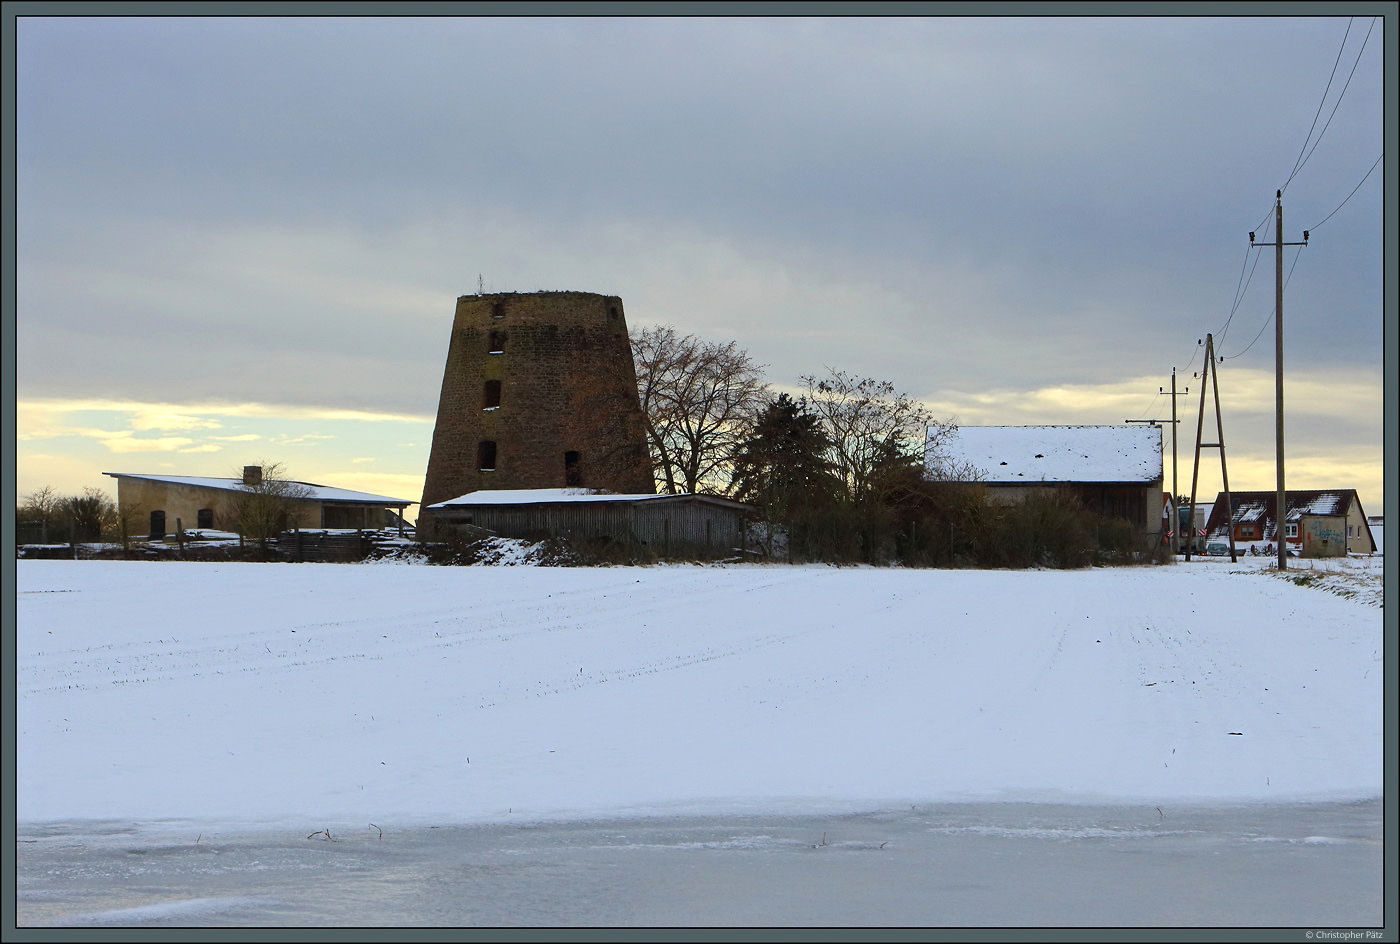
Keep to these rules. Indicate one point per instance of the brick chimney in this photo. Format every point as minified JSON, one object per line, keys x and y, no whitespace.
{"x":252,"y":475}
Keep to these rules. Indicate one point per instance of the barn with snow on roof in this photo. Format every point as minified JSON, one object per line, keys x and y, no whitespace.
{"x":1114,"y":471}
{"x":170,"y":502}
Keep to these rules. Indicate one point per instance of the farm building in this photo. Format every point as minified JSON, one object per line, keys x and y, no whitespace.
{"x":1320,"y":523}
{"x":1115,"y":471}
{"x":665,"y":525}
{"x":165,"y":503}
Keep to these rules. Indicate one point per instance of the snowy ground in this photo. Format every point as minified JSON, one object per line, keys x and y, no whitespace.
{"x":327,"y":696}
{"x":321,"y":745}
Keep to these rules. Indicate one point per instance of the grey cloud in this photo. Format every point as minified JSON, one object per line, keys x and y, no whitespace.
{"x":1037,"y":198}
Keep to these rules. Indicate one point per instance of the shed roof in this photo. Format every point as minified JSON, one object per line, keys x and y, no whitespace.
{"x":538,"y":496}
{"x":1058,"y":454}
{"x":322,"y":493}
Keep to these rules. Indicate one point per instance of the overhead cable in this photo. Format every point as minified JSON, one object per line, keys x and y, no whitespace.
{"x":1350,"y":195}
{"x":1334,"y":107}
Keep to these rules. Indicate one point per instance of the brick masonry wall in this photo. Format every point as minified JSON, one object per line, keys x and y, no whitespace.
{"x":567,"y":385}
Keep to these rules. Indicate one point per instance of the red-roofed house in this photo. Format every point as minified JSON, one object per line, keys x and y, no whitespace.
{"x":1323,"y":523}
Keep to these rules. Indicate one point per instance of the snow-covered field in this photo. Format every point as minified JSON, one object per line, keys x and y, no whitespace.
{"x":320,"y":695}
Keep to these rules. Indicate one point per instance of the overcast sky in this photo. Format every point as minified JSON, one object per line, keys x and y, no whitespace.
{"x":243,"y":238}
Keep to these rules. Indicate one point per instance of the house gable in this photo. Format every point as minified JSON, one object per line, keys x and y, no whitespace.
{"x":1254,"y":517}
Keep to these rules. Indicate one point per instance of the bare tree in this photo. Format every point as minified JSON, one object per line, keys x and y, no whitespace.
{"x":43,"y":506}
{"x":127,"y":519}
{"x":93,"y":515}
{"x":940,"y":466}
{"x":699,"y":399}
{"x":870,"y":424}
{"x":266,"y":505}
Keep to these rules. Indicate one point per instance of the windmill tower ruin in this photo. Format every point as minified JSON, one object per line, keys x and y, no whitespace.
{"x":539,"y":391}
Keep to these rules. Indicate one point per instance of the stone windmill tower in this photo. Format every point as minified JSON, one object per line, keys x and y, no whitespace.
{"x":539,"y":391}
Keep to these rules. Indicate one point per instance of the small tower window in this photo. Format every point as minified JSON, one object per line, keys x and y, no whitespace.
{"x":573,"y":470}
{"x":491,"y":395}
{"x":612,"y":312}
{"x":486,"y":455}
{"x":498,"y":310}
{"x":496,"y":342}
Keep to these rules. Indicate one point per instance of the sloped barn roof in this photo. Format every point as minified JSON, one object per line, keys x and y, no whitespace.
{"x":1024,"y":455}
{"x":322,"y":493}
{"x":537,"y":496}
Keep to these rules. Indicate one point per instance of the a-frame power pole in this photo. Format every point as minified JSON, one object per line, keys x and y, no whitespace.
{"x":1219,"y":444}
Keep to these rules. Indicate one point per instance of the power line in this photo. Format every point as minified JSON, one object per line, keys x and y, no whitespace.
{"x":1147,"y":412}
{"x":1334,"y":107}
{"x":1242,"y":284}
{"x":1268,"y":320}
{"x":1298,"y":161}
{"x":1353,"y":192}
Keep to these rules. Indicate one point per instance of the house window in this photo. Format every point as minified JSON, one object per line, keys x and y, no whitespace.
{"x":573,"y":471}
{"x":204,"y":518}
{"x":1290,"y":530}
{"x":495,"y":342}
{"x":486,"y":455}
{"x":491,"y":395}
{"x":157,"y":524}
{"x":1246,"y":531}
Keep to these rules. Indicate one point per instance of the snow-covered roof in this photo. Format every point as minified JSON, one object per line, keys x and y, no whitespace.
{"x":1026,"y":454}
{"x":325,"y":493}
{"x":1258,"y":507}
{"x":534,"y":496}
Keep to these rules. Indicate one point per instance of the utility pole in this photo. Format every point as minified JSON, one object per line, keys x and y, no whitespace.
{"x":1174,"y":422}
{"x":1220,"y":435}
{"x":1176,"y":526}
{"x":1280,"y":505}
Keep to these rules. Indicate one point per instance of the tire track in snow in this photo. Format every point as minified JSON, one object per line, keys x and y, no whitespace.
{"x":290,"y":646}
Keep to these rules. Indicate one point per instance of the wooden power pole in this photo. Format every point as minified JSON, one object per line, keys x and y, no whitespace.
{"x":1176,"y":525}
{"x":1219,"y":444}
{"x":1175,"y":493}
{"x":1280,"y":499}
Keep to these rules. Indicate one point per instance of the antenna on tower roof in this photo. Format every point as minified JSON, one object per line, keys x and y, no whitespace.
{"x":480,"y":287}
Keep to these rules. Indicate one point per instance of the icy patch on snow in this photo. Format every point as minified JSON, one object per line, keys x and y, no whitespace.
{"x":169,"y":911}
{"x":1057,"y":834}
